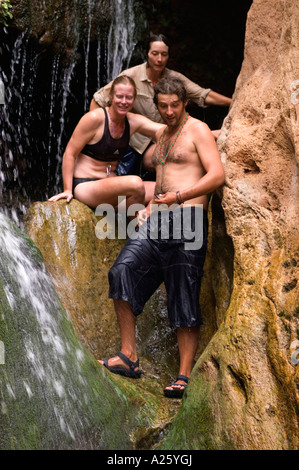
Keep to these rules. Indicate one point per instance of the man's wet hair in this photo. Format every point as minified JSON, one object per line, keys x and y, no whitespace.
{"x":170,"y":86}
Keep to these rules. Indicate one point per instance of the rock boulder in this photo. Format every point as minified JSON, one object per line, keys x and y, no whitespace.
{"x":244,"y":389}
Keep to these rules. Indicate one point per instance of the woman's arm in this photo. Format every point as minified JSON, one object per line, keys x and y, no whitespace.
{"x":217,"y":99}
{"x":145,"y":126}
{"x":83,"y":134}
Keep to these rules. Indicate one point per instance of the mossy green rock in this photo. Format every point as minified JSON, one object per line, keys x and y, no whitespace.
{"x":53,"y":393}
{"x":79,"y":261}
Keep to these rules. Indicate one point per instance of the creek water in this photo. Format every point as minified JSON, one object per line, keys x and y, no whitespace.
{"x":52,"y":395}
{"x":50,"y":388}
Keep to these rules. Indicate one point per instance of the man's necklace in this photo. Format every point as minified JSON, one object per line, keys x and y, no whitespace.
{"x":163,"y":160}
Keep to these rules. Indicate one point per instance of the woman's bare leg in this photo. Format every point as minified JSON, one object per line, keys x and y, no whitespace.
{"x":107,"y":190}
{"x":149,"y":190}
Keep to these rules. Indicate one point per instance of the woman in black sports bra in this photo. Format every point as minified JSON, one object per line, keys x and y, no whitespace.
{"x":99,"y":141}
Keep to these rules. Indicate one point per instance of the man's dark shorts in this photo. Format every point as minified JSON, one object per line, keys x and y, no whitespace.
{"x":150,"y":259}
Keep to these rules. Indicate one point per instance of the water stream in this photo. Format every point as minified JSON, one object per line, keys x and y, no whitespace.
{"x":50,"y":387}
{"x":121,"y":38}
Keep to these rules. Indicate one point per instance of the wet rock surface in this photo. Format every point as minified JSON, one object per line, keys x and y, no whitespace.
{"x":245,"y":380}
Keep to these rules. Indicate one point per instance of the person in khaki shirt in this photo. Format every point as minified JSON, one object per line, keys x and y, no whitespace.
{"x":146,"y":76}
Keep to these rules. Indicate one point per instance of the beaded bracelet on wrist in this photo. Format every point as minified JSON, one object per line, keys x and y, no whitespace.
{"x":179,"y":198}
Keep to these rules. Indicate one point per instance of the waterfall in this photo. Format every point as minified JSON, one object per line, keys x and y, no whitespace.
{"x":48,"y":90}
{"x":52,"y":392}
{"x":2,"y":91}
{"x":121,"y":40}
{"x":26,"y":291}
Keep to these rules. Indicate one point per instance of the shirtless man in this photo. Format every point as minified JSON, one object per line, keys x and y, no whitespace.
{"x":188,"y":167}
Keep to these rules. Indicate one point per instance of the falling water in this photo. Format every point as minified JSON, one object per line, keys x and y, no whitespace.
{"x":47,"y":93}
{"x":31,"y":294}
{"x":121,"y":40}
{"x":52,"y":392}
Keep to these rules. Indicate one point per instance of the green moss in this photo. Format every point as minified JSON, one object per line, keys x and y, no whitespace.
{"x":194,"y":426}
{"x":5,"y":13}
{"x":53,"y":394}
{"x":151,"y":411}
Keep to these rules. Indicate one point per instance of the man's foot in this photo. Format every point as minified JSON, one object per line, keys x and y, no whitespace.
{"x":177,"y":388}
{"x":125,"y":367}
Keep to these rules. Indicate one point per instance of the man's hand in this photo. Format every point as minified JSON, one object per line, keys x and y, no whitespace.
{"x":142,"y":216}
{"x":167,"y":198}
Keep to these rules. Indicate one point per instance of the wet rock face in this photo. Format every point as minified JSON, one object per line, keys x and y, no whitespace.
{"x":79,"y":261}
{"x":54,"y":394}
{"x":247,"y":377}
{"x":56,"y":23}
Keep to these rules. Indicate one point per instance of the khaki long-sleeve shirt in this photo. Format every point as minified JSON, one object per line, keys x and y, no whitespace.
{"x":144,"y":103}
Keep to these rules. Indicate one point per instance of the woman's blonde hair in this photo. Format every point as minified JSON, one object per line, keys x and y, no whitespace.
{"x":123,"y":79}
